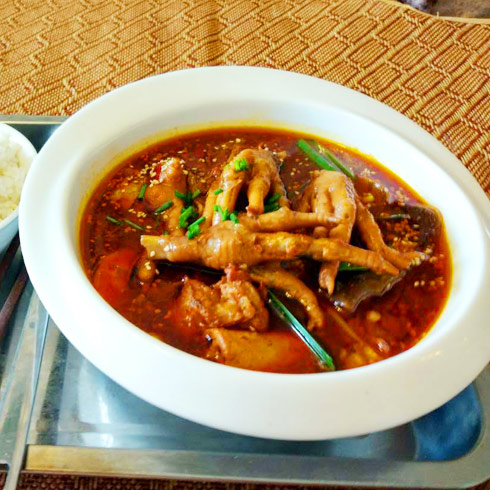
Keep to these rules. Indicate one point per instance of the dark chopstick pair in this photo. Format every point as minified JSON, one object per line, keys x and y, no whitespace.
{"x":10,"y":303}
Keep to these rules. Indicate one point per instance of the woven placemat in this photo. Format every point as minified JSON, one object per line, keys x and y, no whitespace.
{"x":58,"y":55}
{"x":59,"y":482}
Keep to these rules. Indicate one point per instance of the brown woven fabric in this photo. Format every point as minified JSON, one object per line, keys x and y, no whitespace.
{"x":56,"y":482}
{"x":58,"y":55}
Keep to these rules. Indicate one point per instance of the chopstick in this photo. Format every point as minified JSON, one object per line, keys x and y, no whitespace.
{"x":9,"y":256}
{"x":13,"y":297}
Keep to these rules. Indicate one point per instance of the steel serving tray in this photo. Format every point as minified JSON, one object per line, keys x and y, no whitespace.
{"x":82,"y":422}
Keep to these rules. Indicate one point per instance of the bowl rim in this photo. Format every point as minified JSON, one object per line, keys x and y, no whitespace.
{"x":184,"y":360}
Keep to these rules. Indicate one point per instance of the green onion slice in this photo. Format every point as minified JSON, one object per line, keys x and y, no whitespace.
{"x":112,"y":220}
{"x":234,"y":218}
{"x":218,"y":191}
{"x":269,"y":208}
{"x":347,"y":266}
{"x":314,"y":155}
{"x":320,"y":353}
{"x":194,"y":228}
{"x":189,"y":197}
{"x":240,"y":165}
{"x":164,"y":207}
{"x":141,"y":194}
{"x":274,"y":198}
{"x":186,"y":214}
{"x":334,"y":160}
{"x":225,"y":215}
{"x":133,"y":225}
{"x":181,"y":195}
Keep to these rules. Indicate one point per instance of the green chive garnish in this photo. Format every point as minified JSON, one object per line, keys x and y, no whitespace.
{"x":189,"y":197}
{"x":323,"y":357}
{"x":334,"y":160}
{"x":186,"y":214}
{"x":164,"y":207}
{"x":269,"y":208}
{"x":112,"y":220}
{"x":274,"y":198}
{"x":141,"y":194}
{"x":314,"y":155}
{"x":194,"y":228}
{"x":180,"y":195}
{"x":347,"y":266}
{"x":240,"y":165}
{"x":234,"y":218}
{"x":225,"y":215}
{"x":199,"y":221}
{"x":218,"y":191}
{"x":133,"y":225}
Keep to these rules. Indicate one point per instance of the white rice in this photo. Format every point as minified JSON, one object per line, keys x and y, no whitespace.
{"x":13,"y":170}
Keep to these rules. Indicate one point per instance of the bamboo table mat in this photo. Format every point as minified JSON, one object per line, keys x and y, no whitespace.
{"x":57,"y":55}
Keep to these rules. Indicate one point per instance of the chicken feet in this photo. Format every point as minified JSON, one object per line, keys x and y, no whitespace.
{"x":259,"y":171}
{"x":227,"y":243}
{"x":331,"y":193}
{"x":170,"y":177}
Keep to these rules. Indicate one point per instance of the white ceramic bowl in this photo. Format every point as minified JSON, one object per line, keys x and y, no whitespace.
{"x":10,"y":225}
{"x":301,"y":407}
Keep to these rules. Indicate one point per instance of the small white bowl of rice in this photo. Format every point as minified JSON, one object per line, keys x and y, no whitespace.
{"x":16,"y":155}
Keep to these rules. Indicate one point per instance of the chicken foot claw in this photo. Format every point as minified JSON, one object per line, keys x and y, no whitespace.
{"x":259,"y":171}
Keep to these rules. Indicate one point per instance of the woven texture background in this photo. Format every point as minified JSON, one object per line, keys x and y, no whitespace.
{"x":58,"y":482}
{"x":57,"y":55}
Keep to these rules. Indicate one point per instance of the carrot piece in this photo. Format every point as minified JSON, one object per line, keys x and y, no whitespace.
{"x":112,"y":276}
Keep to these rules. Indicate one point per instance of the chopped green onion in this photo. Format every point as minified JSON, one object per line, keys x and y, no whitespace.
{"x":234,"y":218}
{"x":189,"y":197}
{"x":274,"y":198}
{"x":185,"y":215}
{"x":164,"y":207}
{"x":314,"y":155}
{"x":166,"y":232}
{"x":347,"y":266}
{"x":181,"y":195}
{"x":323,"y":357}
{"x":133,"y":225}
{"x":269,"y":208}
{"x":240,"y":165}
{"x":334,"y":160}
{"x":225,"y":215}
{"x":112,"y":220}
{"x":218,"y":191}
{"x":141,"y":194}
{"x":194,"y":229}
{"x":199,"y":221}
